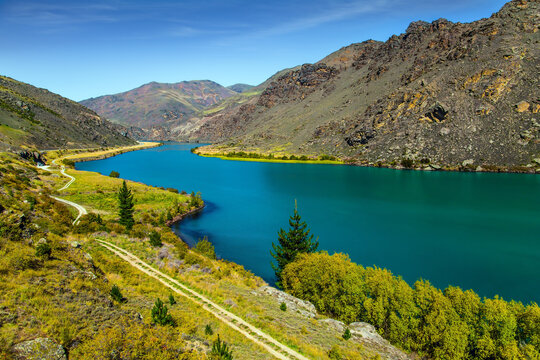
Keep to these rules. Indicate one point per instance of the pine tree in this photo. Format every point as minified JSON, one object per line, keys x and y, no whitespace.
{"x":116,"y":294}
{"x":220,"y":350}
{"x":296,"y":240}
{"x":160,"y":314}
{"x":125,"y":203}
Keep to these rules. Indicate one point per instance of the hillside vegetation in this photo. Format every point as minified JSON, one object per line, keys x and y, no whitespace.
{"x":442,"y":94}
{"x":57,"y":280}
{"x":36,"y":118}
{"x":449,"y":324}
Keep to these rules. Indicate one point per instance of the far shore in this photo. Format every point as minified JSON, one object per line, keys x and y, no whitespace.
{"x":83,"y":155}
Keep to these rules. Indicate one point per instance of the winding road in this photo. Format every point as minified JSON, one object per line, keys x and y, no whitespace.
{"x":256,"y":335}
{"x":82,"y":211}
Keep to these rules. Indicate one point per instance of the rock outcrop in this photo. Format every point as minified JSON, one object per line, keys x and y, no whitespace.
{"x":303,"y":307}
{"x":39,"y":349}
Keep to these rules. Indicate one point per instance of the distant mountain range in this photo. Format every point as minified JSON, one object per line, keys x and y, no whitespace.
{"x":162,"y":111}
{"x":34,"y":117}
{"x":240,"y":88}
{"x":440,"y":94}
{"x":443,"y":93}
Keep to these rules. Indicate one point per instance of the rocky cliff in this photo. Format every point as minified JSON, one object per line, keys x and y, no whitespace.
{"x":31,"y":116}
{"x":441,"y":94}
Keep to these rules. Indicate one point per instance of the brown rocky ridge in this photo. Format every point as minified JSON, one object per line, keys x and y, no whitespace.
{"x":442,"y":94}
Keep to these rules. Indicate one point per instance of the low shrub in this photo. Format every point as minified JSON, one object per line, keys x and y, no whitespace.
{"x":43,"y":250}
{"x":155,"y":239}
{"x":205,"y":248}
{"x":116,"y":294}
{"x":407,"y":163}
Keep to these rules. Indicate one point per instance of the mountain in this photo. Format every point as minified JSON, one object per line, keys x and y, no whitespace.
{"x":443,"y":94}
{"x":31,"y":116}
{"x":240,"y":88}
{"x":160,"y":108}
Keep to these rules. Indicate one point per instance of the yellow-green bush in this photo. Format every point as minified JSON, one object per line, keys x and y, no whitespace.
{"x":135,"y":341}
{"x":453,"y":324}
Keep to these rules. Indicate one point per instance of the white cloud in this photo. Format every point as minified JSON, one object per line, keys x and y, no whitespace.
{"x":326,"y":15}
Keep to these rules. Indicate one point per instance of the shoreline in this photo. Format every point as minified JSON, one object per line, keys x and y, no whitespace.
{"x":104,"y":154}
{"x":179,"y":218}
{"x":322,"y":162}
{"x":84,"y":156}
{"x":471,"y":168}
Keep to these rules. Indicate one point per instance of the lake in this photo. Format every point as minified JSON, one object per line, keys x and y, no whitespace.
{"x":479,"y":231}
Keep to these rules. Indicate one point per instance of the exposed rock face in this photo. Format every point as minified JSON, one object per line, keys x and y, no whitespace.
{"x":39,"y":349}
{"x":34,"y":156}
{"x":303,"y":307}
{"x":443,"y":92}
{"x":297,"y":84}
{"x":37,"y":117}
{"x":362,"y":332}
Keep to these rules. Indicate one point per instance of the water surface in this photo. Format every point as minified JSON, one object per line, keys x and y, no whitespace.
{"x":473,"y":230}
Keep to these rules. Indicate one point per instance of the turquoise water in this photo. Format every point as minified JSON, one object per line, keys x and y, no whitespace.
{"x":473,"y":230}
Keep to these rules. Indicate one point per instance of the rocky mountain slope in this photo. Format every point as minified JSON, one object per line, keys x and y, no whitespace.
{"x":440,"y":94}
{"x":37,"y":117}
{"x":160,"y":109}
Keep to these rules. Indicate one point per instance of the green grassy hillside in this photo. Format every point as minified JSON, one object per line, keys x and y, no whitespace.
{"x":33,"y":117}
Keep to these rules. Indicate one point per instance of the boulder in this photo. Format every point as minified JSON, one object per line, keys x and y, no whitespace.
{"x":39,"y":349}
{"x":444,"y":131}
{"x":294,"y":304}
{"x":367,"y":333}
{"x":522,"y":106}
{"x":337,"y":325}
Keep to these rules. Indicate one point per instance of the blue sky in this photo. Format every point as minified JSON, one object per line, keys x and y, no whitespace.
{"x":83,"y":49}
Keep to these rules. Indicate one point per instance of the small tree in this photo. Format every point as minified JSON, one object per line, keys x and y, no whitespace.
{"x":155,"y":239}
{"x":195,"y":200}
{"x":208,"y":330}
{"x":114,"y":174}
{"x":283,"y":307}
{"x":160,"y":314}
{"x":347,"y":334}
{"x":116,"y":294}
{"x":205,"y":247}
{"x":220,"y":350}
{"x":172,"y":301}
{"x":296,"y":240}
{"x":125,"y":204}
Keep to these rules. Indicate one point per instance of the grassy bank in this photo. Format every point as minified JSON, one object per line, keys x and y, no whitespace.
{"x":78,"y":155}
{"x":271,"y":158}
